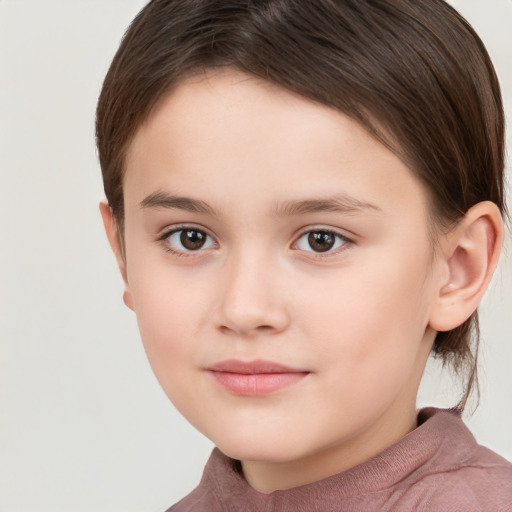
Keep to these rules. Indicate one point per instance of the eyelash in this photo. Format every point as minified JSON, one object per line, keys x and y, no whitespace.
{"x":164,"y":239}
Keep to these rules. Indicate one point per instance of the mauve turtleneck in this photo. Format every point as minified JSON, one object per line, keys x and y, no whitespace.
{"x":438,"y":467}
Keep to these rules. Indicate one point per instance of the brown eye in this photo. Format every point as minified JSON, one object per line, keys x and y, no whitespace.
{"x":192,"y":239}
{"x":321,"y":240}
{"x":189,"y":239}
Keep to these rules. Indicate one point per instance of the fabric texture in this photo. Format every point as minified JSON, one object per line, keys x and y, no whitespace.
{"x":437,"y":467}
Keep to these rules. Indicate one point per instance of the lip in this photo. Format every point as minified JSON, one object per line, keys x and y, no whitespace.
{"x":254,"y":378}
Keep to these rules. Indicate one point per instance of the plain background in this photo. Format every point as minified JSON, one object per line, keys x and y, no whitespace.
{"x":84,"y":425}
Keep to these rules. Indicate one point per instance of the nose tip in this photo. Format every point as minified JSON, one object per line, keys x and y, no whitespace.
{"x":251,"y":303}
{"x":250,"y":315}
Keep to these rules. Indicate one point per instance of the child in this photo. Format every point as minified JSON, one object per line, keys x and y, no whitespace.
{"x":305,"y":199}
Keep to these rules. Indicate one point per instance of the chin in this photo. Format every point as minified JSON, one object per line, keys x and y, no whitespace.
{"x":267,"y":449}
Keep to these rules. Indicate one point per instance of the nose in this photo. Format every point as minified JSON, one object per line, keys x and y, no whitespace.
{"x":252,"y":298}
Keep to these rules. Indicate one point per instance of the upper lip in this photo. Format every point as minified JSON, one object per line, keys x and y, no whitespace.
{"x":257,"y":366}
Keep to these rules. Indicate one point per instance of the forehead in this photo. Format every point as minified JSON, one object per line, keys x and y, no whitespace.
{"x":231,"y":129}
{"x":232,"y":101}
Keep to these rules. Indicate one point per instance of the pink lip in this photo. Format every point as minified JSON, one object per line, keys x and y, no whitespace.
{"x":254,"y":378}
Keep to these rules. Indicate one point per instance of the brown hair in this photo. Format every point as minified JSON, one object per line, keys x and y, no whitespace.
{"x":413,"y":73}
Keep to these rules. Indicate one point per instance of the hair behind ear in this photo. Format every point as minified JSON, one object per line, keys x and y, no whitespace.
{"x":471,"y":251}
{"x":458,"y":349}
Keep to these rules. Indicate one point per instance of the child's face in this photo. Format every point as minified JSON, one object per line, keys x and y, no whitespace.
{"x":303,"y":243}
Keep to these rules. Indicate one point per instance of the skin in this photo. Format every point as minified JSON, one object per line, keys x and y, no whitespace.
{"x":261,"y":168}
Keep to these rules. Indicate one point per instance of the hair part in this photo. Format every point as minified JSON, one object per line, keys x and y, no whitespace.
{"x":414,"y":74}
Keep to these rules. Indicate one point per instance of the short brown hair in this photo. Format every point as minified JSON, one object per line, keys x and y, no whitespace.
{"x":413,"y":73}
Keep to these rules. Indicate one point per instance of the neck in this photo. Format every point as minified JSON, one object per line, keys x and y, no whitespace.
{"x":267,"y":476}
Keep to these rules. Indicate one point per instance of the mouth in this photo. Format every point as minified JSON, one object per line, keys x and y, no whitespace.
{"x":254,"y":378}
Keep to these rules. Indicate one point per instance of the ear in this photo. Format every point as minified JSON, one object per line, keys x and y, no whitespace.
{"x":469,"y":256}
{"x":113,"y":235}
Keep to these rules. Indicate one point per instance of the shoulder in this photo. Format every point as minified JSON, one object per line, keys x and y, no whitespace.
{"x":461,"y":475}
{"x":479,"y":485}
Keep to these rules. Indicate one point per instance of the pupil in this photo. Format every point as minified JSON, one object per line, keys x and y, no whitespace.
{"x":321,"y":241}
{"x":192,"y":239}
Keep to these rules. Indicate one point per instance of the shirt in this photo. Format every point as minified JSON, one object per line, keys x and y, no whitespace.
{"x":437,"y":467}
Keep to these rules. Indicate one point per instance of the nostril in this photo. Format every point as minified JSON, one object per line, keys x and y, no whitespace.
{"x":262,"y":329}
{"x":225,"y":330}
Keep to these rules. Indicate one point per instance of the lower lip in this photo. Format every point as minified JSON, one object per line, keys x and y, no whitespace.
{"x":257,"y":384}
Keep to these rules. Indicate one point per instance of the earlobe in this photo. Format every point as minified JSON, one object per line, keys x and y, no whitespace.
{"x":470,"y":254}
{"x":112,"y":232}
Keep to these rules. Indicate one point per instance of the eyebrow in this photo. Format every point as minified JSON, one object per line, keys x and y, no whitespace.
{"x":161,"y":200}
{"x":338,"y":204}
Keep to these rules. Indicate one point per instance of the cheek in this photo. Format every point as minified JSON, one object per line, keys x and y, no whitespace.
{"x":373,"y":317}
{"x":169,"y":316}
{"x":169,"y":326}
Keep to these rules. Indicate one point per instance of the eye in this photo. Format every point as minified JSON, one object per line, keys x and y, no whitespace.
{"x":320,"y":240}
{"x":189,"y":239}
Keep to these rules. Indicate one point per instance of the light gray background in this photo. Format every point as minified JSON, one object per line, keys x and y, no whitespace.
{"x":84,"y":425}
